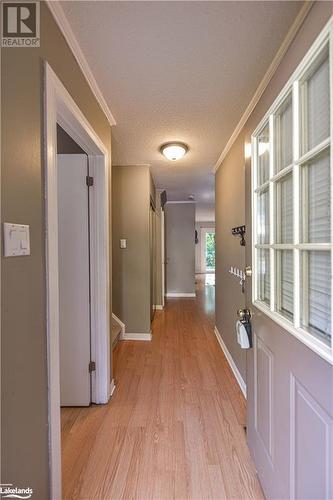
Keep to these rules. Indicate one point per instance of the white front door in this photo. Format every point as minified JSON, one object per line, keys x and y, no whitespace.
{"x":289,"y":368}
{"x":74,"y":280}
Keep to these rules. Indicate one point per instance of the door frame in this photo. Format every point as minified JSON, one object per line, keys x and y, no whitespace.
{"x":202,"y":244}
{"x":163,"y":257}
{"x":61,"y":109}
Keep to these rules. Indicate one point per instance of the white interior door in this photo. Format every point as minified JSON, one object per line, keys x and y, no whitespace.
{"x":74,"y":280}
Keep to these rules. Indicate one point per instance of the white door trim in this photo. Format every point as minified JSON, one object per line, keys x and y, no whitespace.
{"x":60,"y":108}
{"x":163,"y":258}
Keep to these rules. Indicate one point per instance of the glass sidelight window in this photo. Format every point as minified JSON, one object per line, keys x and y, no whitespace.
{"x":292,"y":204}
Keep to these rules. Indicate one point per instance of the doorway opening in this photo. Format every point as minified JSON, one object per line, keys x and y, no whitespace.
{"x":152,"y":257}
{"x":60,"y":109}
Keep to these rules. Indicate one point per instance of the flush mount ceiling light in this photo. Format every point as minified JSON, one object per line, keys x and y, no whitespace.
{"x":174,"y":150}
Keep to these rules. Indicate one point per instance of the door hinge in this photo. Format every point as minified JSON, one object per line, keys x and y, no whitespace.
{"x":92,"y":366}
{"x":89,"y":181}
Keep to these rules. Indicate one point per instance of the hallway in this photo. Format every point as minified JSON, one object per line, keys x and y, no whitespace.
{"x":174,"y":427}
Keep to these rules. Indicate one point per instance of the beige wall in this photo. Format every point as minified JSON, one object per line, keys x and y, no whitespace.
{"x":198,"y":227}
{"x":131,"y":266}
{"x":179,"y":243}
{"x":230,"y":212}
{"x":23,"y":309}
{"x":231,"y":209}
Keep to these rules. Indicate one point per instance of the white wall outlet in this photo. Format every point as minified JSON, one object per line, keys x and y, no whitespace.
{"x":123,"y":243}
{"x":16,"y":239}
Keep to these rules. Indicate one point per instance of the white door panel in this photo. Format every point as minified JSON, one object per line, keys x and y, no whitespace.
{"x":74,"y":283}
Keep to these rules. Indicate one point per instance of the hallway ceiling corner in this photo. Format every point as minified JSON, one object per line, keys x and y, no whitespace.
{"x":178,"y":72}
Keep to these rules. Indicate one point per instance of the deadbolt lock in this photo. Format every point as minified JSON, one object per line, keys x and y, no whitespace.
{"x":248,"y":271}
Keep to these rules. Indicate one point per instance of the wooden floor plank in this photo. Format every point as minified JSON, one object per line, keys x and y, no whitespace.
{"x":174,"y":426}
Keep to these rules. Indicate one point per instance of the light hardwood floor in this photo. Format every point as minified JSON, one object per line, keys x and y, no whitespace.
{"x":174,"y":427}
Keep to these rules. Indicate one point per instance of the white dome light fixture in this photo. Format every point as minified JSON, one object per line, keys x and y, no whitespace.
{"x":174,"y":150}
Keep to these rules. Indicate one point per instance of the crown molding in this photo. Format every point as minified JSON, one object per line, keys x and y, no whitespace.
{"x":266,"y":79}
{"x":64,"y":26}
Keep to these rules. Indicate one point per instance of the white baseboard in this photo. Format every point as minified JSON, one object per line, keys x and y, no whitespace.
{"x":159,"y":307}
{"x":231,"y":362}
{"x":112,"y":387}
{"x":120,"y":323}
{"x":180,"y":294}
{"x":136,"y":336}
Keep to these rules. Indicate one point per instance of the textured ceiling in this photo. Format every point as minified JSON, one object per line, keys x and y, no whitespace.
{"x":180,"y":71}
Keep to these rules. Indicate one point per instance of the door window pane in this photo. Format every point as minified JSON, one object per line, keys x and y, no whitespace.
{"x":293,"y":164}
{"x":315,"y":200}
{"x":263,"y":276}
{"x":316,"y":293}
{"x":284,"y":210}
{"x":285,"y":283}
{"x":263,"y":217}
{"x":316,"y":104}
{"x":283,"y":136}
{"x":263,"y":156}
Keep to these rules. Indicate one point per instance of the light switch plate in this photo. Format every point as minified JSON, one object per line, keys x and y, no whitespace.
{"x":16,"y":239}
{"x":123,"y":243}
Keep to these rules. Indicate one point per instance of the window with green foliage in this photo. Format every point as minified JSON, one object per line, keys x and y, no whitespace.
{"x":210,"y":250}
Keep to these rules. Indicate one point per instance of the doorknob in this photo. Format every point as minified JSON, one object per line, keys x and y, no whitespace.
{"x":248,"y":271}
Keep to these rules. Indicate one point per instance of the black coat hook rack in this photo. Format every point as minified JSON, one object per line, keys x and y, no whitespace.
{"x":239,"y":231}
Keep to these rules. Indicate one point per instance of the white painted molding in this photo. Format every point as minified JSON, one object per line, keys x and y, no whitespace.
{"x":159,"y":307}
{"x":266,"y":79}
{"x":136,"y":336}
{"x":61,"y":108}
{"x":120,"y":323}
{"x":112,"y":387}
{"x":179,"y":294}
{"x":231,"y":362}
{"x":63,"y":24}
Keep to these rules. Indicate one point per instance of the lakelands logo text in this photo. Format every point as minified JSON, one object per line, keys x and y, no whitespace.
{"x":20,"y":24}
{"x":10,"y":491}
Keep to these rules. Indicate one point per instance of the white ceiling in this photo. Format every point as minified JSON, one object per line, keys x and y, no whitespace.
{"x":180,"y":71}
